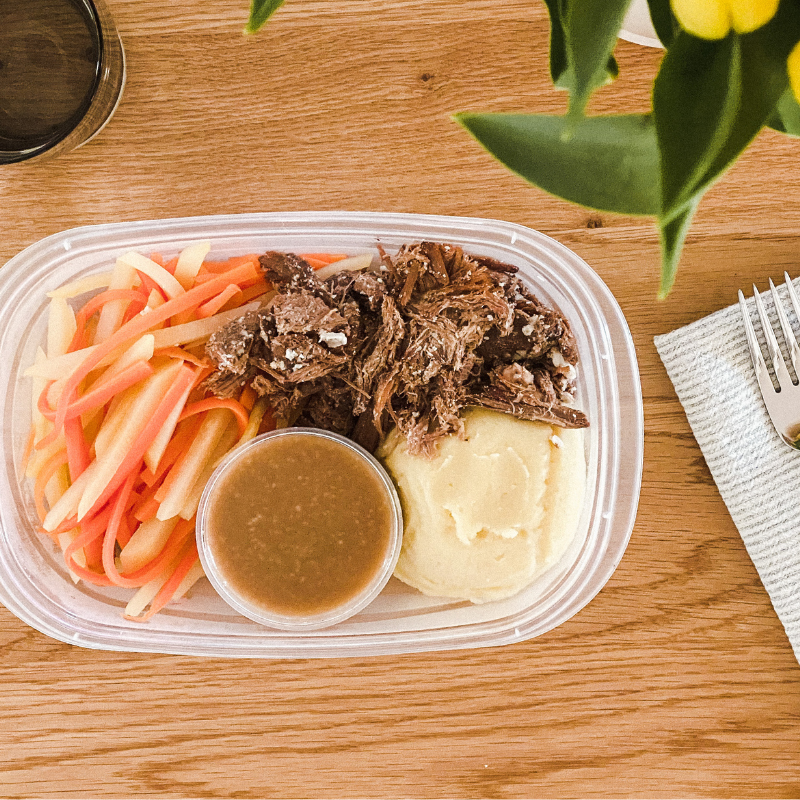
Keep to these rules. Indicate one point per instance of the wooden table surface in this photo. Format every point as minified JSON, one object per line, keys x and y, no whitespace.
{"x":677,"y":680}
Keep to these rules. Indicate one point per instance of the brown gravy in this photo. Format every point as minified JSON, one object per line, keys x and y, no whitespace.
{"x":299,"y":525}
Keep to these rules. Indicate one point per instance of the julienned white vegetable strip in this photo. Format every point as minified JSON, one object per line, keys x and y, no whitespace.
{"x":190,"y":468}
{"x":189,"y":262}
{"x":147,"y":542}
{"x":61,"y":327}
{"x":353,"y":264}
{"x":140,"y":412}
{"x":112,"y":313}
{"x":113,"y":411}
{"x":198,"y":329}
{"x":167,"y":282}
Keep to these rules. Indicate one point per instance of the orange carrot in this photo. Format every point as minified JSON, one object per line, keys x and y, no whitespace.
{"x":178,"y":444}
{"x":133,"y":458}
{"x":182,"y":355}
{"x":125,"y":531}
{"x":91,"y":530}
{"x":49,"y":468}
{"x":248,"y":294}
{"x":93,"y":306}
{"x":134,"y":307}
{"x":147,"y":509}
{"x":171,"y":265}
{"x":198,"y":407}
{"x":93,"y":552}
{"x":148,"y":284}
{"x":136,"y":327}
{"x":324,"y":258}
{"x":132,"y":580}
{"x":104,"y":391}
{"x":210,"y":307}
{"x":248,"y":397}
{"x":67,"y":525}
{"x":78,"y":456}
{"x":158,"y":258}
{"x":166,"y":592}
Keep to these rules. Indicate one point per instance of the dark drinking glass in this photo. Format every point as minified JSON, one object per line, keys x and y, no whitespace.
{"x":62,"y":70}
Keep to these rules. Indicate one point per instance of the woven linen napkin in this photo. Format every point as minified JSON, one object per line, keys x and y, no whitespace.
{"x":757,"y":475}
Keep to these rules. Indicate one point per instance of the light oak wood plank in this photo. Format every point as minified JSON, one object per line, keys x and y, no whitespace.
{"x":675,"y":681}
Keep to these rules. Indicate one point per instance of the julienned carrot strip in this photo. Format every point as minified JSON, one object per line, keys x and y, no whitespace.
{"x":326,"y":258}
{"x":239,"y":411}
{"x":146,"y":510}
{"x":248,"y":398}
{"x":78,"y":456}
{"x":104,"y":391}
{"x":175,"y":543}
{"x":134,"y":307}
{"x":139,"y":325}
{"x":170,"y":265}
{"x":96,"y":304}
{"x":316,"y":263}
{"x":133,"y":458}
{"x":93,"y":553}
{"x":149,"y":285}
{"x":91,"y":530}
{"x":125,"y":532}
{"x":183,"y":355}
{"x":157,"y":258}
{"x":178,"y":444}
{"x":68,"y":524}
{"x":49,"y":468}
{"x":88,"y":575}
{"x":110,"y":537}
{"x":210,"y":307}
{"x":171,"y":476}
{"x":166,"y":592}
{"x":248,"y":294}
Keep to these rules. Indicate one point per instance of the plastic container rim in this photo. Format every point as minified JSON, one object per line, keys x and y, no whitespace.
{"x":569,"y":274}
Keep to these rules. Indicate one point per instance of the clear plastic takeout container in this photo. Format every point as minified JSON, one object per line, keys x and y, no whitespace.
{"x":35,"y":585}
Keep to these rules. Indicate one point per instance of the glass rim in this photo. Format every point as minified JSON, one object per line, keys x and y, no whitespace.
{"x":100,"y":23}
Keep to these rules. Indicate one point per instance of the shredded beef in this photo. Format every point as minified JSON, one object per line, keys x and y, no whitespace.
{"x":411,"y":343}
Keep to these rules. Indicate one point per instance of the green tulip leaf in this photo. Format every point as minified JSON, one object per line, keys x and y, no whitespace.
{"x":765,"y":82}
{"x":696,"y":97}
{"x":672,"y":235}
{"x":663,"y":21}
{"x":260,"y":12}
{"x":558,"y":45}
{"x":608,"y":163}
{"x":591,"y":29}
{"x":561,"y":73}
{"x":786,"y":118}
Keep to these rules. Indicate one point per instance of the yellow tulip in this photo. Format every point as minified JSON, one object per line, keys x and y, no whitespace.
{"x":708,"y":19}
{"x":793,"y":65}
{"x":713,"y":19}
{"x":748,"y":15}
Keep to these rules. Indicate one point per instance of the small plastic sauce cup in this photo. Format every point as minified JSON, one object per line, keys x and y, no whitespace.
{"x":238,"y":510}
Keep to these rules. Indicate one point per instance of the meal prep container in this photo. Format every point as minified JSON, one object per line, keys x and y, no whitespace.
{"x":35,"y":585}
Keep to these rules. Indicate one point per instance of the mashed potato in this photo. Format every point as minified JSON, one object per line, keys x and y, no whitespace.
{"x":491,"y":511}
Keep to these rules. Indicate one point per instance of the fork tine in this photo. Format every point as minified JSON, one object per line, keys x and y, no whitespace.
{"x":752,"y":342}
{"x":792,"y":294}
{"x":786,"y":327}
{"x":778,"y":364}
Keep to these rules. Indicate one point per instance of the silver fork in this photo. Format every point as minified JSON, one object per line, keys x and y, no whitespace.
{"x":783,"y":404}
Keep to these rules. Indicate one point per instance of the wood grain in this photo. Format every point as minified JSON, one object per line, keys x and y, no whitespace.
{"x":676,"y":681}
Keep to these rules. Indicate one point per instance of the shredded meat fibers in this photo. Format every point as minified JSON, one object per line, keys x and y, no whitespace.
{"x":411,"y":343}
